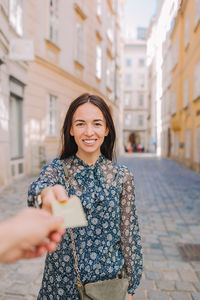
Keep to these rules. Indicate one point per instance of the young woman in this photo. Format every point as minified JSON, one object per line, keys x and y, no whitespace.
{"x":111,"y":240}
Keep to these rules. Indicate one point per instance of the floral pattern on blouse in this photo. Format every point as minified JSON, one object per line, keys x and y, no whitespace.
{"x":110,"y":241}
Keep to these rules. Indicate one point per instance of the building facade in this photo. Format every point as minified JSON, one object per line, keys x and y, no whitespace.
{"x":185,"y":88}
{"x":159,"y":76}
{"x":77,"y":47}
{"x":135,"y":94}
{"x":13,"y":80}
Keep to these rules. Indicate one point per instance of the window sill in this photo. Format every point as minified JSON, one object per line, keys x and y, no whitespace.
{"x":16,"y":158}
{"x":99,"y":18}
{"x":98,"y":79}
{"x":79,"y":65}
{"x":196,"y":99}
{"x":196,"y":25}
{"x":54,"y":47}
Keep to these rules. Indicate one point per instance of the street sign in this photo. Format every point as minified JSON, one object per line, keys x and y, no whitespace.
{"x":21,"y":49}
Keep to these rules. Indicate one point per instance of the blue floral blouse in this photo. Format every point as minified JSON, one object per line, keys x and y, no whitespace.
{"x":110,"y":241}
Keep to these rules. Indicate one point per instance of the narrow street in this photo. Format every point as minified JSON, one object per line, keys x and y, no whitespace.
{"x":168,"y":204}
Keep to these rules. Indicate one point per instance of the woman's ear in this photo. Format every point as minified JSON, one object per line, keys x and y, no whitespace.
{"x":107,"y":132}
{"x":71,"y":131}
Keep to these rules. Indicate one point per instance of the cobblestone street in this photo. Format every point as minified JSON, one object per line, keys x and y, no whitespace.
{"x":168,"y":202}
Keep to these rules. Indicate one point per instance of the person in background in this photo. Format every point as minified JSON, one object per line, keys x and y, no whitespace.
{"x":111,"y":241}
{"x":29,"y":234}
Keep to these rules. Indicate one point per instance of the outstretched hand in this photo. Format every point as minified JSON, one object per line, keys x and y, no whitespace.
{"x":30,"y":234}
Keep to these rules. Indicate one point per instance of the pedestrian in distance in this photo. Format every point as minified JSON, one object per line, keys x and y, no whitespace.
{"x":111,"y":241}
{"x":29,"y":234}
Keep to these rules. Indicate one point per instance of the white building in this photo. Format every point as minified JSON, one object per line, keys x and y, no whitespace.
{"x":157,"y":93}
{"x":77,"y":47}
{"x":13,"y":79}
{"x":135,"y":93}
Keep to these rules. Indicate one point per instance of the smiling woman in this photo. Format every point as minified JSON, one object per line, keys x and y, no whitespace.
{"x":110,"y":243}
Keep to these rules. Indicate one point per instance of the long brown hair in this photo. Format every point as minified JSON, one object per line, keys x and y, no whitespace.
{"x":69,"y":146}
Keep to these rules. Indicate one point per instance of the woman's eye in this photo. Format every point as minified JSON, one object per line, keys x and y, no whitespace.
{"x":97,"y":124}
{"x":79,"y":124}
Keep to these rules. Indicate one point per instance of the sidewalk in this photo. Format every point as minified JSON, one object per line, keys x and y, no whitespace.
{"x":168,"y":202}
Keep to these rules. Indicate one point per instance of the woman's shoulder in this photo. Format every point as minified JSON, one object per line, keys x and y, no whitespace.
{"x":119,"y":168}
{"x":57,"y":163}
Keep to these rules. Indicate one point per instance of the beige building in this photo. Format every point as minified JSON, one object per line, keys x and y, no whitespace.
{"x":185,"y":88}
{"x":135,"y":94}
{"x":77,"y":47}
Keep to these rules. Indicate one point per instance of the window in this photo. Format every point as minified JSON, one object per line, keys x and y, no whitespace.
{"x":16,"y":15}
{"x":186,"y":93}
{"x":187,"y":31}
{"x":175,"y":54}
{"x":197,"y":80}
{"x":127,"y":99}
{"x":141,"y":81}
{"x":128,"y":79}
{"x":79,"y":44}
{"x":110,"y":33}
{"x":141,"y":62}
{"x":140,"y":120}
{"x":140,"y":99}
{"x":53,"y":21}
{"x":187,"y":143}
{"x":52,"y":116}
{"x":173,"y":107}
{"x":128,"y":62}
{"x":99,"y":8}
{"x":98,"y":61}
{"x":16,"y":128}
{"x":197,"y":12}
{"x":110,"y":73}
{"x":127,"y":119}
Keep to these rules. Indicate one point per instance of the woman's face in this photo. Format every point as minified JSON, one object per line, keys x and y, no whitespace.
{"x":88,"y":129}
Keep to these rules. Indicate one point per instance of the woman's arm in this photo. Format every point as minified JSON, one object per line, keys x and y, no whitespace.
{"x":130,"y":237}
{"x":50,"y":176}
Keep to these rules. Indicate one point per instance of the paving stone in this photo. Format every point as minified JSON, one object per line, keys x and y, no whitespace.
{"x":165,"y":285}
{"x":20,"y":289}
{"x":158,"y":295}
{"x":180,"y":296}
{"x":152,"y":275}
{"x":140,"y":295}
{"x":185,"y":286}
{"x":188,"y":276}
{"x":147,"y":284}
{"x":171,"y":275}
{"x":160,"y":265}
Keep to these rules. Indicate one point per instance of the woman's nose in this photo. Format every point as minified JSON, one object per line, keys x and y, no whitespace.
{"x":89,"y":130}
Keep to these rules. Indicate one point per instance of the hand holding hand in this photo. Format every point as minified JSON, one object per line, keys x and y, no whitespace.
{"x":52,"y":193}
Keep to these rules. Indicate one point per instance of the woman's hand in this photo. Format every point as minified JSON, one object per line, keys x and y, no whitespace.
{"x":130,"y":297}
{"x":52,"y":193}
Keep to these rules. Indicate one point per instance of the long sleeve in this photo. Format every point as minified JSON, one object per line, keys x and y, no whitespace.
{"x":130,"y":237}
{"x":49,"y":176}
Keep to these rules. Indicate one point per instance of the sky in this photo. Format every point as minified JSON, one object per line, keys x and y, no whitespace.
{"x":137,"y":13}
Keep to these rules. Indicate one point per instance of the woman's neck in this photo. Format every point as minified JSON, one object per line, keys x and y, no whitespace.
{"x":89,"y":158}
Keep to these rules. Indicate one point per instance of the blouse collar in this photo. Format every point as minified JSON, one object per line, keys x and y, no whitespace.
{"x":80,"y":162}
